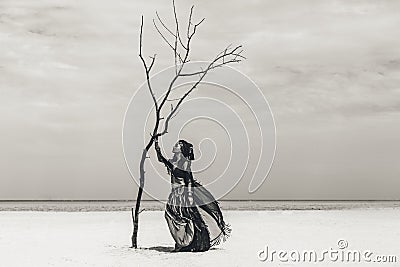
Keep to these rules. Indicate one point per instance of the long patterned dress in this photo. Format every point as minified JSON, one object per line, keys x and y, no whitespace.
{"x":190,"y":228}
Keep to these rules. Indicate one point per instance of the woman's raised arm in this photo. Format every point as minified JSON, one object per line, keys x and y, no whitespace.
{"x":160,"y":156}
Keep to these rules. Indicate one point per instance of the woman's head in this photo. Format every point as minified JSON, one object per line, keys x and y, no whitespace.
{"x":185,"y":148}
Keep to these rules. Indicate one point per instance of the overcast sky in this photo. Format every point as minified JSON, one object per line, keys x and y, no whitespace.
{"x":329,"y":69}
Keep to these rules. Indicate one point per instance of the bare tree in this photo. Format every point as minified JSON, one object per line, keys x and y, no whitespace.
{"x":179,"y":41}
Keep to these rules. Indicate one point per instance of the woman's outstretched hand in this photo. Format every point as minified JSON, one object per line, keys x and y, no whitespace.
{"x":158,"y":150}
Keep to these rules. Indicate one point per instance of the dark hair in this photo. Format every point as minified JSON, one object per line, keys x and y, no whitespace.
{"x":186,"y":149}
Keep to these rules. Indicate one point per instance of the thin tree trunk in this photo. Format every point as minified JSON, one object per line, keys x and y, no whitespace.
{"x":135,"y":215}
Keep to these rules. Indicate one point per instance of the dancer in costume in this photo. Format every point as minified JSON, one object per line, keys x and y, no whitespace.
{"x":193,"y":229}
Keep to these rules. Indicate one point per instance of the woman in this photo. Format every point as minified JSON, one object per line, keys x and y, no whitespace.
{"x":187,"y":225}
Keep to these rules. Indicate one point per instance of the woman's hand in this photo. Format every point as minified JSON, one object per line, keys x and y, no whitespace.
{"x":156,"y":146}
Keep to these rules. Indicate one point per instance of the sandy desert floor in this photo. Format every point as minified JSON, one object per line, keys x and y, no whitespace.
{"x":103,"y":238}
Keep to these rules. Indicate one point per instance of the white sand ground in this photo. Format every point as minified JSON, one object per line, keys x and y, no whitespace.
{"x":102,"y":238}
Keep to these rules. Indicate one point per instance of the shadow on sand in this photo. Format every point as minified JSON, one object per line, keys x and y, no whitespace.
{"x":161,"y":249}
{"x":168,"y":249}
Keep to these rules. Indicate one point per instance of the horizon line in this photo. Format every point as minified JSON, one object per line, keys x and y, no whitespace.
{"x":242,"y":200}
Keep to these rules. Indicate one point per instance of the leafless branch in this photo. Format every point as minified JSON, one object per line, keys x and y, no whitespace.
{"x":176,"y":53}
{"x":177,"y":36}
{"x":175,"y":114}
{"x":235,"y":56}
{"x":163,"y":24}
{"x":146,"y":67}
{"x":174,"y":99}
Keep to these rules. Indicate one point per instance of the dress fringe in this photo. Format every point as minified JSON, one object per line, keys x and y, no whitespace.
{"x":223,"y":236}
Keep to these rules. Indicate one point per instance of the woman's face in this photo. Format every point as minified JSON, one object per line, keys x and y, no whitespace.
{"x":176,"y":148}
